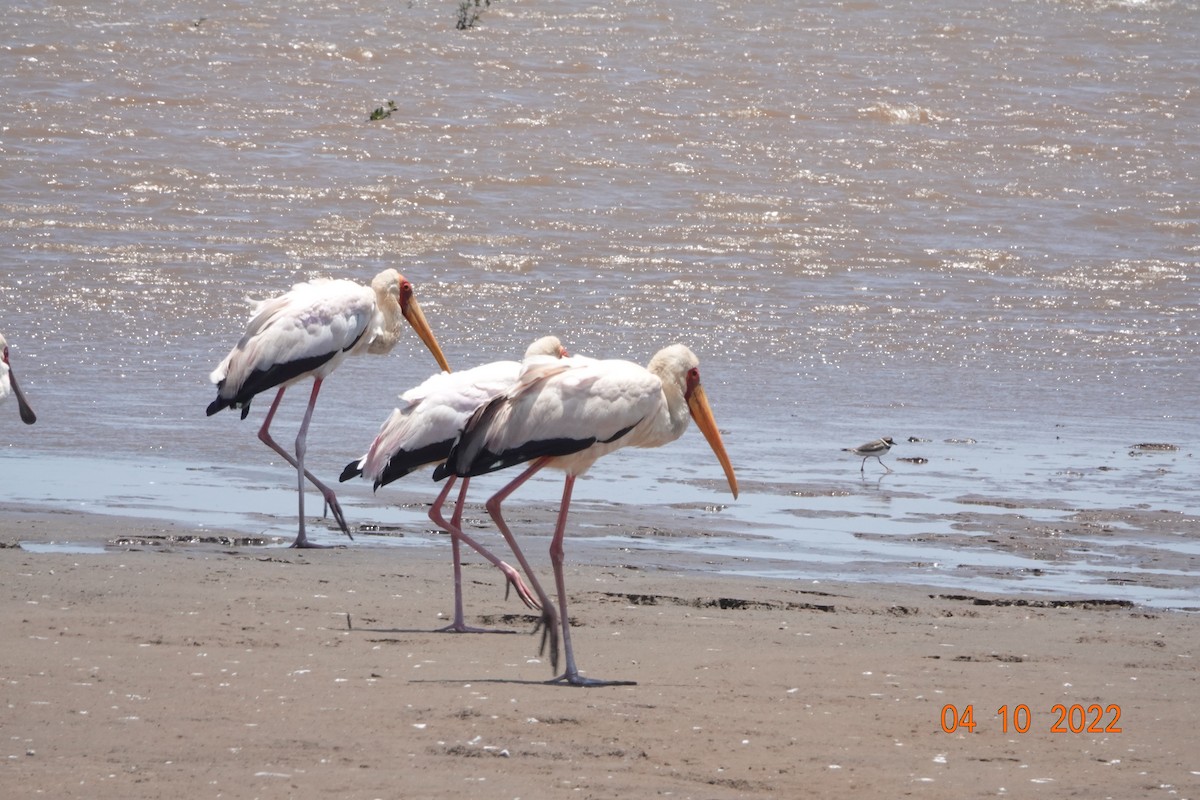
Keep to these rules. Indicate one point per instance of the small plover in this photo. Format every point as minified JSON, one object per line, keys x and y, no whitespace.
{"x":873,"y":449}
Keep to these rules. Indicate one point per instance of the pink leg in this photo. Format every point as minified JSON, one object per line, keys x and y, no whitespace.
{"x":454,"y":528}
{"x":264,"y":435}
{"x":301,"y":449}
{"x":435,"y":513}
{"x":514,"y":578}
{"x":571,"y":675}
{"x":549,"y":623}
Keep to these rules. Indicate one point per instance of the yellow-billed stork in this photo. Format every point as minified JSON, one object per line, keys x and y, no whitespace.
{"x":306,"y":333}
{"x":420,"y":432}
{"x":9,"y":385}
{"x":567,"y":416}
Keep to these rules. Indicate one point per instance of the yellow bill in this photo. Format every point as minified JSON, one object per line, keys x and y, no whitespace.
{"x":416,"y":318}
{"x":702,"y":414}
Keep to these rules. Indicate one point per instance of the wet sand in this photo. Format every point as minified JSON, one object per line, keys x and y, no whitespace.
{"x":160,"y":669}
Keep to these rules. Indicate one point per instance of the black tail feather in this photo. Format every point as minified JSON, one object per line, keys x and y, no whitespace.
{"x":218,"y":404}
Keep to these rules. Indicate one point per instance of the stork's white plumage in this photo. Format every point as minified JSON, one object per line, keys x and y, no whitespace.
{"x":307,"y":333}
{"x":421,"y":432}
{"x":422,"y":429}
{"x":9,"y":385}
{"x":569,"y":415}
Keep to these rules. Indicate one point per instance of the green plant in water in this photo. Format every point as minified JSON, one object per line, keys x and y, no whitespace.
{"x":383,"y":112}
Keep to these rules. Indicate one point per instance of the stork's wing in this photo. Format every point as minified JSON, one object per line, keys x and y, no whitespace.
{"x":422,"y":430}
{"x":555,"y":412}
{"x":292,"y":335}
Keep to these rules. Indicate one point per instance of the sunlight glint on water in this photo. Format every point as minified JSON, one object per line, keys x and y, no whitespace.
{"x":939,"y":221}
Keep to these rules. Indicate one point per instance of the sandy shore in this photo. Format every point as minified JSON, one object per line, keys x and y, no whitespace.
{"x":210,"y":670}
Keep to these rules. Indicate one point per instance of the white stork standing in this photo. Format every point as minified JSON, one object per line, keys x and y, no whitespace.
{"x":567,"y":416}
{"x":8,"y":383}
{"x":306,"y":333}
{"x":421,"y":432}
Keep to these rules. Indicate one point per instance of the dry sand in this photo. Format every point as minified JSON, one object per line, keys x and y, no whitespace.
{"x":206,"y":671}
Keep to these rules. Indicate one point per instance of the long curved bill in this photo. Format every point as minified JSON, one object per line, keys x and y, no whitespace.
{"x":412,"y":312}
{"x":702,"y":414}
{"x":27,"y":415}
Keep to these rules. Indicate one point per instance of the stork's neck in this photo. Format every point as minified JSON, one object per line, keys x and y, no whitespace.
{"x":677,"y":409}
{"x":674,"y":420}
{"x":388,"y":323}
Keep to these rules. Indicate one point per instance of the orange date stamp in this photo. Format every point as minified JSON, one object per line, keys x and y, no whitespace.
{"x":1074,"y":718}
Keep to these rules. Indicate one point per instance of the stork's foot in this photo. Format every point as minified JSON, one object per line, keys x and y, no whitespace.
{"x":462,"y":627}
{"x":573,"y":678}
{"x":548,"y":625}
{"x":305,"y":544}
{"x":517,"y":583}
{"x":332,"y":506}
